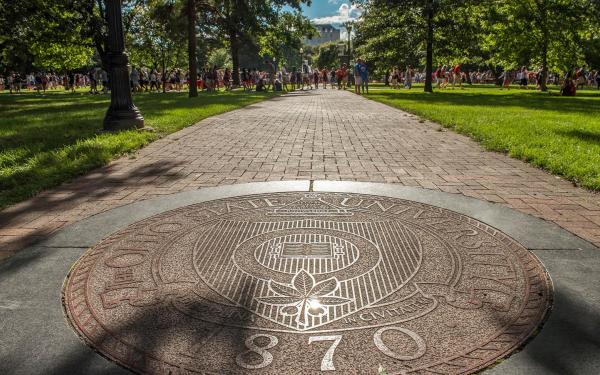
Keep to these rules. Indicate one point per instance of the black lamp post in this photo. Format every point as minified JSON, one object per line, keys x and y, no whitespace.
{"x":122,"y":113}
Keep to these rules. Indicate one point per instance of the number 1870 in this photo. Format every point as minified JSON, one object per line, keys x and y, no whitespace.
{"x":327,"y":363}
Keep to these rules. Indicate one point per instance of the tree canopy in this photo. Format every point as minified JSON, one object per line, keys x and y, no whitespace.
{"x":61,"y":35}
{"x":71,"y":34}
{"x":550,"y":35}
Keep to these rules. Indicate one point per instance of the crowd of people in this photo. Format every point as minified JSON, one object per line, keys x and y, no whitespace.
{"x":272,"y":78}
{"x":453,"y":76}
{"x":43,"y":81}
{"x":308,"y":77}
{"x":96,"y":80}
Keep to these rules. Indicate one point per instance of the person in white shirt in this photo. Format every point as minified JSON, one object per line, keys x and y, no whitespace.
{"x":153,"y":81}
{"x":134,"y":77}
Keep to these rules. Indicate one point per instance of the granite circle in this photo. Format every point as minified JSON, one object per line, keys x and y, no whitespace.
{"x":307,"y":282}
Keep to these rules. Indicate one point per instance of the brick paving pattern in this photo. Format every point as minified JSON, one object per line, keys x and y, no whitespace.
{"x":319,"y":135}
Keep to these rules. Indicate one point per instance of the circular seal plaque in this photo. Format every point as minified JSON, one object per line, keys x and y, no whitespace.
{"x":307,"y":283}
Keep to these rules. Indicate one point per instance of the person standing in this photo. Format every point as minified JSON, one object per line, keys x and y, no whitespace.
{"x":153,"y":81}
{"x":395,"y":77}
{"x":134,"y":78}
{"x":357,"y":80}
{"x":538,"y":79}
{"x":103,"y":77}
{"x":408,"y":77}
{"x":293,"y":78}
{"x":78,"y":81}
{"x":339,"y":75}
{"x":270,"y":74}
{"x":506,"y":78}
{"x":456,"y":76}
{"x":285,"y":77}
{"x":10,"y":82}
{"x":71,"y":81}
{"x":144,"y":79}
{"x":93,"y":82}
{"x":324,"y":77}
{"x":227,"y":79}
{"x":38,"y":82}
{"x":177,"y":80}
{"x":364,"y":76}
{"x":524,"y":78}
{"x":332,"y":77}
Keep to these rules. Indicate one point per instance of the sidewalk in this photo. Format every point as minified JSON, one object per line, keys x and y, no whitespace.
{"x":318,"y":135}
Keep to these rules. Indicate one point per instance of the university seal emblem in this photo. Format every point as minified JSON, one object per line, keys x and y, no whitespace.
{"x":307,"y":282}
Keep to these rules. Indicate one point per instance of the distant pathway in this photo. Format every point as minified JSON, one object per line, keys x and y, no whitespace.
{"x":324,"y":134}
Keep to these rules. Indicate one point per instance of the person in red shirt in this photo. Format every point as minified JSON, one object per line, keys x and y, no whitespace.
{"x":456,"y":76}
{"x":342,"y":77}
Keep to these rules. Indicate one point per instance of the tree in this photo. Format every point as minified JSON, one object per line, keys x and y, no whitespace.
{"x":192,"y":63}
{"x":220,"y":58}
{"x":390,"y":37}
{"x":90,"y":16}
{"x":328,"y":55}
{"x":282,"y":39}
{"x":158,"y":35}
{"x":239,"y":20}
{"x":41,"y":34}
{"x":422,"y":23}
{"x":546,"y":33}
{"x":60,"y":56}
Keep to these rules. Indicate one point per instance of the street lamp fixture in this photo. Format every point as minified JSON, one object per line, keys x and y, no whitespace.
{"x":122,"y":113}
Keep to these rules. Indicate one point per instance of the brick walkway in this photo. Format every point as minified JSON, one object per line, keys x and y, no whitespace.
{"x":326,"y":134}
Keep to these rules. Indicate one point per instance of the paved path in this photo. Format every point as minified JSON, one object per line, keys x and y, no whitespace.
{"x":326,"y":134}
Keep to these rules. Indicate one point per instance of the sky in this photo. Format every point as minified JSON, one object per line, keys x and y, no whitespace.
{"x":334,"y":12}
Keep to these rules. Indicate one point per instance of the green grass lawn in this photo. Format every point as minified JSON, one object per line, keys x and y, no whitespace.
{"x":559,"y":134}
{"x":48,"y":139}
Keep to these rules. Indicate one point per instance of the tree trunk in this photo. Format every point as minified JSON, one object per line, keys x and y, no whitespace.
{"x":164,"y":71}
{"x":544,"y":75}
{"x":235,"y":57}
{"x":545,"y":42}
{"x":429,"y":62}
{"x":192,"y":63}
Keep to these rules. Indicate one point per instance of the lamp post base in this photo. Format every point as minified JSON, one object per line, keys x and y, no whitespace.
{"x":123,"y":119}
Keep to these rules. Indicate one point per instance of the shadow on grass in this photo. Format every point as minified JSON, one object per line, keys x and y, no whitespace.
{"x":528,"y":100}
{"x":55,"y":137}
{"x":581,"y":135}
{"x":56,"y":126}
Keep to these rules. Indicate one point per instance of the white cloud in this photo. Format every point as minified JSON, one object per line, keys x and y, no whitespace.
{"x":345,"y":13}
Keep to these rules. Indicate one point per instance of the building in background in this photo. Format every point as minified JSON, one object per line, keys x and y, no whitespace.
{"x":327,"y":33}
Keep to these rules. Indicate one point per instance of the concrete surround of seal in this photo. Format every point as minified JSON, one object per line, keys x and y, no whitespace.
{"x":404,"y":341}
